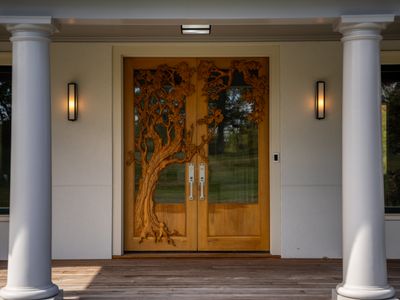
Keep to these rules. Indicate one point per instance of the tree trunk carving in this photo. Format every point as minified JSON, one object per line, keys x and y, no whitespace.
{"x":161,"y":138}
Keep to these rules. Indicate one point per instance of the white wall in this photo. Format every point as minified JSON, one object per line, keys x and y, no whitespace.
{"x":82,"y":152}
{"x":3,"y":240}
{"x":310,"y":153}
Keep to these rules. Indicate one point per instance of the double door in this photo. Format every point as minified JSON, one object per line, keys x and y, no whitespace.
{"x":196,"y":154}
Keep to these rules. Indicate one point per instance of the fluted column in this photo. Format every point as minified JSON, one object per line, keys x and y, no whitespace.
{"x":29,"y":261}
{"x":364,"y":257}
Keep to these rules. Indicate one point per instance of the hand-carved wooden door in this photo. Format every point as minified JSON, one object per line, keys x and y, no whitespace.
{"x":196,"y":155}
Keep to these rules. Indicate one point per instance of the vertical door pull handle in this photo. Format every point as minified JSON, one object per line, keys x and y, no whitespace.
{"x":191,"y":180}
{"x":202,"y":179}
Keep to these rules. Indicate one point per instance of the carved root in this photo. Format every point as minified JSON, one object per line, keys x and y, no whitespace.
{"x":158,"y":231}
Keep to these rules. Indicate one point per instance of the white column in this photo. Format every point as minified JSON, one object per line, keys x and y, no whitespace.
{"x":364,"y":257}
{"x":29,"y":261}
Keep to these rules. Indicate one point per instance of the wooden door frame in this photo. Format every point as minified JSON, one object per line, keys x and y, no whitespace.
{"x":196,"y":50}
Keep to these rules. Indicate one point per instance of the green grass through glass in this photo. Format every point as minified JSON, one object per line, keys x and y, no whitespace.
{"x":233,"y":153}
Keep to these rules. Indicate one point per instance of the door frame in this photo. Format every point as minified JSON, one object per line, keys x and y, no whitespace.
{"x":199,"y":50}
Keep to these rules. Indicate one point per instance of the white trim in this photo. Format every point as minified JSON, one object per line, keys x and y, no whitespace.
{"x":117,"y":153}
{"x":220,"y":21}
{"x":26,"y":20}
{"x":352,"y":19}
{"x":214,"y":49}
{"x":4,"y":218}
{"x":392,"y":217}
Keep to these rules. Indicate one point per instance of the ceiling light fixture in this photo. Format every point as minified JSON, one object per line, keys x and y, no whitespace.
{"x":195,"y":29}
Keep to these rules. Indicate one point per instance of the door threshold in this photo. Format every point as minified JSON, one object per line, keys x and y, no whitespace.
{"x":178,"y":254}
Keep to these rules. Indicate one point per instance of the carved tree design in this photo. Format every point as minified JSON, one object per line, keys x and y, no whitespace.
{"x":218,"y":80}
{"x":161,"y":139}
{"x":160,"y":135}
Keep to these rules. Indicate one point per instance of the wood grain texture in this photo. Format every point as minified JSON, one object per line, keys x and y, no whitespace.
{"x":197,"y":225}
{"x":202,"y":278}
{"x":232,"y":219}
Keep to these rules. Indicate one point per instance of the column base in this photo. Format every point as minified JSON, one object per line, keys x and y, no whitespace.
{"x":60,"y":296}
{"x":336,"y":296}
{"x":47,"y":293}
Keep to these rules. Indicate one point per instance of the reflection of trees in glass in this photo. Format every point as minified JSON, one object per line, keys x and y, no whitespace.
{"x":5,"y":136}
{"x":233,"y":153}
{"x":5,"y":100}
{"x":238,"y":91}
{"x":235,"y":125}
{"x":391,"y":138}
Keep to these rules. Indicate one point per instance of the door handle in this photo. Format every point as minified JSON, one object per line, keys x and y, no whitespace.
{"x":191,"y":180}
{"x":202,"y":179}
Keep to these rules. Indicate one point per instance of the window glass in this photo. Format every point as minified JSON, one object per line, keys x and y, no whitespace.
{"x":391,"y":136}
{"x":5,"y":137}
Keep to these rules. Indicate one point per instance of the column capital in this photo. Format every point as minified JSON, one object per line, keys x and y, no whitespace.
{"x":30,"y":27}
{"x":355,"y":27}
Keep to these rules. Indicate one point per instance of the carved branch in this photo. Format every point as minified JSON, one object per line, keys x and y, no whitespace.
{"x":218,"y":80}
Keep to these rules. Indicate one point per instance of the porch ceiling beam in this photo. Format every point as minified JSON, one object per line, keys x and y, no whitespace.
{"x":39,"y":20}
{"x":236,"y":21}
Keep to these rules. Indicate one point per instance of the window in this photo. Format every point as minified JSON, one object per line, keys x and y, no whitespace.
{"x":5,"y":137}
{"x":391,"y":136}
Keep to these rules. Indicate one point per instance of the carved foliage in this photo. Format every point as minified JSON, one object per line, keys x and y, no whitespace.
{"x":218,"y":80}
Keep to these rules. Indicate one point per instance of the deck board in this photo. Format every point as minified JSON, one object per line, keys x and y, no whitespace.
{"x":200,"y":278}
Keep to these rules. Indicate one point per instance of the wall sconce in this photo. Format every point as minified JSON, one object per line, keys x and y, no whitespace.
{"x":72,"y":101}
{"x":320,"y":100}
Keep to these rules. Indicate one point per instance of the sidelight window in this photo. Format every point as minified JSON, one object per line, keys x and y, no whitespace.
{"x":391,"y":136}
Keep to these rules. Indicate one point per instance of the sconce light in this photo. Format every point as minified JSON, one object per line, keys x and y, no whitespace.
{"x":320,"y":100}
{"x":72,"y":101}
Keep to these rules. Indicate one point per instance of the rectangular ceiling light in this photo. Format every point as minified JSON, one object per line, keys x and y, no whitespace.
{"x":196,"y":29}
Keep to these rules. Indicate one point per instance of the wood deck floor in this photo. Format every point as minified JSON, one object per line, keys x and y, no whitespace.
{"x":200,"y":278}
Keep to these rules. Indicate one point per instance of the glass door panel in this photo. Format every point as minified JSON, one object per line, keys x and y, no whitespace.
{"x":233,"y":153}
{"x":233,"y":214}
